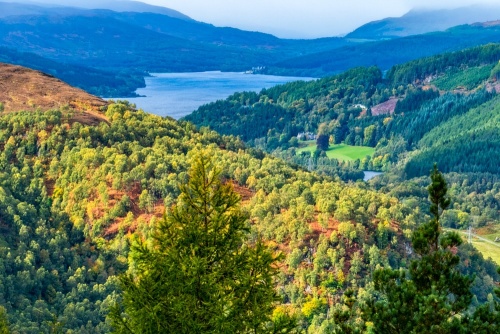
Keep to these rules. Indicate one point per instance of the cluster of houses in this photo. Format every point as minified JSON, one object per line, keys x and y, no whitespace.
{"x":255,"y":70}
{"x":306,"y":136}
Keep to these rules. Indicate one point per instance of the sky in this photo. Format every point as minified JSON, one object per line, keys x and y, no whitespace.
{"x":301,"y":18}
{"x":293,"y":18}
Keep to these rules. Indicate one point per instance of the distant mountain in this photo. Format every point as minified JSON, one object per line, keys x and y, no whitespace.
{"x":385,"y":54}
{"x":43,"y":7}
{"x":146,"y":41}
{"x":128,"y":6}
{"x":422,"y":21}
{"x":135,"y":38}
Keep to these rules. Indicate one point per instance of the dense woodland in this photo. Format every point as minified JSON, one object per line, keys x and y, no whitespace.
{"x":86,"y":209}
{"x":75,"y":196}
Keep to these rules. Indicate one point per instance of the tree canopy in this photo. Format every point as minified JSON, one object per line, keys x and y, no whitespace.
{"x":432,"y":294}
{"x":201,"y":274}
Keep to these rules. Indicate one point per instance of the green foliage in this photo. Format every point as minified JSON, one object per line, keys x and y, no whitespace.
{"x":464,"y":143}
{"x":468,"y":78}
{"x":486,"y":319}
{"x":432,"y":294}
{"x":322,"y":142}
{"x":4,"y":324}
{"x":72,"y":195}
{"x":200,"y":274}
{"x":272,"y":119}
{"x":414,"y":99}
{"x":495,"y":72}
{"x":57,"y":201}
{"x":421,"y":68}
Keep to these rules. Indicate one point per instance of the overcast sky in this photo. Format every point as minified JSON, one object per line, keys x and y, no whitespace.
{"x":301,"y":18}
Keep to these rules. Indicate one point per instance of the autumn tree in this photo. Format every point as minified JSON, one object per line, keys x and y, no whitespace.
{"x":4,"y":324}
{"x":200,"y":274}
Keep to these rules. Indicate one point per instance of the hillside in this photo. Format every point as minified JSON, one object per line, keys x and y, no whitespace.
{"x":151,"y":42}
{"x":60,"y":6}
{"x":95,"y":81}
{"x":75,"y":194}
{"x":25,"y":89}
{"x":125,"y":6}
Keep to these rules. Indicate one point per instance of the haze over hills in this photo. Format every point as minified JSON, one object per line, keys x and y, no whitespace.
{"x":387,"y":53}
{"x":113,"y":41}
{"x":421,"y":21}
{"x":38,"y":7}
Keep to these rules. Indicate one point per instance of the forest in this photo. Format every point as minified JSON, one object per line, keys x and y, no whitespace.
{"x":116,"y":224}
{"x":78,"y":200}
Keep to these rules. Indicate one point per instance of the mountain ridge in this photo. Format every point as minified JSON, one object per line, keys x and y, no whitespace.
{"x":37,"y":8}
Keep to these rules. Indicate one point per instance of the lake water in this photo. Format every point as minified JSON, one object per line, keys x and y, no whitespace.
{"x":179,"y":94}
{"x":370,"y":175}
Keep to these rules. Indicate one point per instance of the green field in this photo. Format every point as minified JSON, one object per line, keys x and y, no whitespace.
{"x":488,"y":250}
{"x":340,"y":151}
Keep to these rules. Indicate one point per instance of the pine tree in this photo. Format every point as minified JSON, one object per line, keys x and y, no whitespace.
{"x":432,"y":295}
{"x":201,"y":275}
{"x":486,"y":318}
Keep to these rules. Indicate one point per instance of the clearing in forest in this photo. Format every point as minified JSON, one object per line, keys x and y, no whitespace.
{"x":341,"y":152}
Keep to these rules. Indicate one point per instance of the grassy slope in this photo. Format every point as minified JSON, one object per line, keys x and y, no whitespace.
{"x":487,"y":249}
{"x":340,"y":151}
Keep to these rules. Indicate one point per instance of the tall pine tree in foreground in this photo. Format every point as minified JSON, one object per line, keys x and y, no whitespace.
{"x":432,"y":296}
{"x":201,"y":275}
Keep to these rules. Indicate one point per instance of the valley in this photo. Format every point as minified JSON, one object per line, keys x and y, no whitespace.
{"x":228,"y":202}
{"x":178,"y":94}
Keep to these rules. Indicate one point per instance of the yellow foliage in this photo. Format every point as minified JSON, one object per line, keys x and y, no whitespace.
{"x":313,"y":306}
